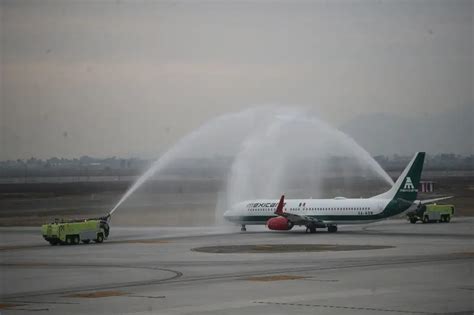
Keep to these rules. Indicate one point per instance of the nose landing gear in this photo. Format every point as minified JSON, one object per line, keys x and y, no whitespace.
{"x":243,"y":228}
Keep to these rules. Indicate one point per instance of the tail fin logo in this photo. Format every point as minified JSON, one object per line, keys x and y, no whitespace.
{"x":408,"y":184}
{"x":408,"y":187}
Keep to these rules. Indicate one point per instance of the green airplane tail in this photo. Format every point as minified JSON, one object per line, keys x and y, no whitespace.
{"x":406,"y":186}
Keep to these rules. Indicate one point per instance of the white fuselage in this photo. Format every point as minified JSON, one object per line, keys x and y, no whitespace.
{"x":330,"y":211}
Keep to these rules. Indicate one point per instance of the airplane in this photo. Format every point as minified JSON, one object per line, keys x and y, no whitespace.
{"x":329,"y":213}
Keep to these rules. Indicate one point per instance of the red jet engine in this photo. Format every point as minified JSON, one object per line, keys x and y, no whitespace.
{"x":279,"y":224}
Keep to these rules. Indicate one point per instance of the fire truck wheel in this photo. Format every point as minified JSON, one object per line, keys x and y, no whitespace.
{"x":75,"y":239}
{"x":100,"y":238}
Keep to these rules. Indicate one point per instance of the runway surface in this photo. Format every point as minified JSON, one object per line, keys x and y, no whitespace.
{"x":391,"y":267}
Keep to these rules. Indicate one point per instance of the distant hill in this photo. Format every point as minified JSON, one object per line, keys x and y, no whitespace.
{"x":386,"y":134}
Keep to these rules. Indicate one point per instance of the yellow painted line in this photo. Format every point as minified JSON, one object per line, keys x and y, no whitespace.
{"x":26,"y":264}
{"x":275,"y":278}
{"x":96,"y":294}
{"x":13,"y":247}
{"x":145,"y":241}
{"x":6,"y":305}
{"x":466,"y":253}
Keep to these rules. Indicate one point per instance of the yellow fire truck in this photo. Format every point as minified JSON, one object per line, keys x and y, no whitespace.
{"x":431,"y":213}
{"x":76,"y":231}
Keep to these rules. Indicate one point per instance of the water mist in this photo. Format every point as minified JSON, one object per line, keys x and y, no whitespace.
{"x":272,"y":149}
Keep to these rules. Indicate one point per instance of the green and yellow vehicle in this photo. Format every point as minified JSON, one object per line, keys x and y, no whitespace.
{"x":431,"y":213}
{"x":76,"y":231}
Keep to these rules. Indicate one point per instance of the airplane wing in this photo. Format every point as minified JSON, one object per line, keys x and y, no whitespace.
{"x":300,"y":219}
{"x":293,"y":218}
{"x":428,"y":201}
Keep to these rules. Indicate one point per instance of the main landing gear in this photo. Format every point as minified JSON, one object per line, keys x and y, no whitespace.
{"x":311,"y":228}
{"x":243,"y":228}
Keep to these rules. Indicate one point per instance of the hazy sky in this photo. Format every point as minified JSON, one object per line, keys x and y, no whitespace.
{"x":129,"y":78}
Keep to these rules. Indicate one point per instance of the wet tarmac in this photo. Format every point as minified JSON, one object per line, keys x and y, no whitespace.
{"x":382,"y":268}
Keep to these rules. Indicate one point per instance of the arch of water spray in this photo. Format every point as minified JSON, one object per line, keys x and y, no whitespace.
{"x":266,"y":143}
